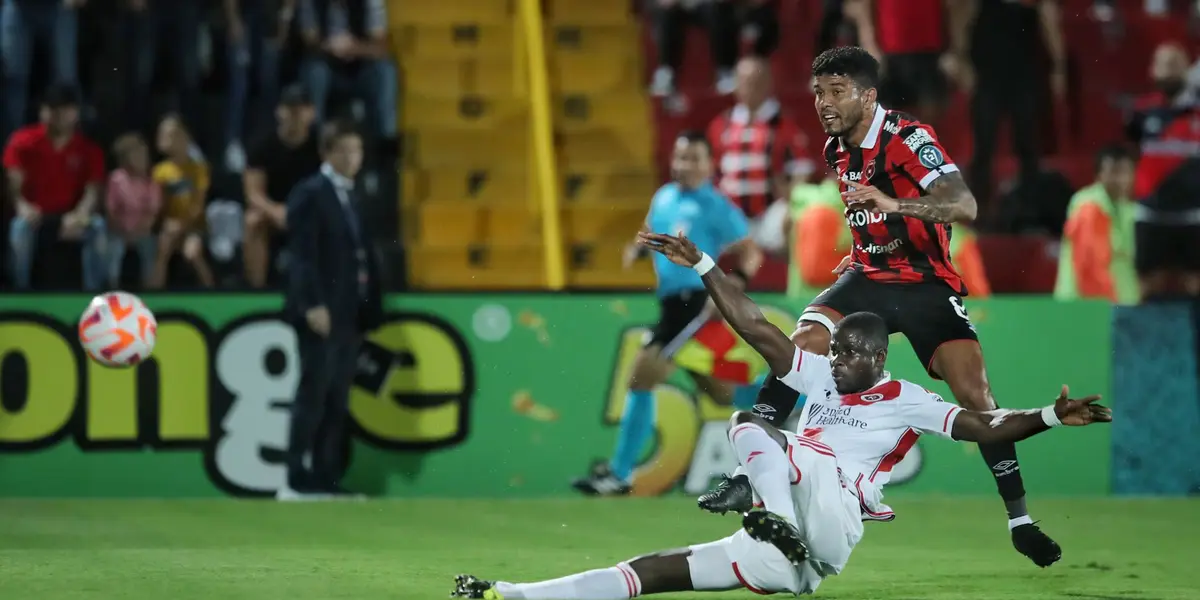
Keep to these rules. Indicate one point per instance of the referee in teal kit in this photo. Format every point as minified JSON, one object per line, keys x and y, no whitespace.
{"x":691,"y":205}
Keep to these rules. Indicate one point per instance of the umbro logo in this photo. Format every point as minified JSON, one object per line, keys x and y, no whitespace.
{"x":763,"y":409}
{"x":1004,"y":465}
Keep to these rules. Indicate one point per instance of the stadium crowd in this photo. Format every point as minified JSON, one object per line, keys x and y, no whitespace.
{"x":164,"y":86}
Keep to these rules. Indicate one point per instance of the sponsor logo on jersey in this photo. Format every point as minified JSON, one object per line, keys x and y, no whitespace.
{"x":886,"y":249}
{"x":860,"y":218}
{"x":892,"y":128}
{"x":918,"y":138}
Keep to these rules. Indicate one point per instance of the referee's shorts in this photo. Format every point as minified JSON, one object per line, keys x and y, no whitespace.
{"x":680,"y":317}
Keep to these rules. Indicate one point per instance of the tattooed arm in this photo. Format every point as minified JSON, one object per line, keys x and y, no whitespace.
{"x":949,"y":201}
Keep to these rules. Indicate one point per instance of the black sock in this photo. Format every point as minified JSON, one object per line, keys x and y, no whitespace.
{"x":1002,"y":462}
{"x":775,"y":401}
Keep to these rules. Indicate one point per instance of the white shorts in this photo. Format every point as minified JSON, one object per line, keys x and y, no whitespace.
{"x":830,"y":522}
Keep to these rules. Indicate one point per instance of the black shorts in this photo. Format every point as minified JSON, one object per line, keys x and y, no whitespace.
{"x":1166,"y":247}
{"x":912,"y":80}
{"x":928,"y":314}
{"x":680,"y":317}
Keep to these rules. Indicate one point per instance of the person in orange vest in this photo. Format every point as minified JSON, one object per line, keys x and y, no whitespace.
{"x":820,"y":238}
{"x":965,"y":255}
{"x":1096,"y":259}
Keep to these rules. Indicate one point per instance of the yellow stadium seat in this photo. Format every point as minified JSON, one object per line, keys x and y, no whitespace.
{"x":464,"y":112}
{"x":590,"y":12}
{"x":455,"y":41}
{"x":483,"y":266}
{"x":627,"y":111}
{"x":443,"y":78}
{"x":631,"y":186}
{"x":513,"y":224}
{"x":450,"y":12}
{"x":483,"y":186}
{"x":599,"y":222}
{"x":600,"y":265}
{"x":590,"y":73}
{"x":498,"y":148}
{"x":613,"y":41}
{"x":607,"y":149}
{"x":450,"y":223}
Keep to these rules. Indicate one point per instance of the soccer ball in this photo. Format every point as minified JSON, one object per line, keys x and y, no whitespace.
{"x":117,"y":330}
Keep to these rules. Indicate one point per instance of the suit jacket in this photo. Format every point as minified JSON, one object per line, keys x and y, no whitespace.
{"x":324,"y":269}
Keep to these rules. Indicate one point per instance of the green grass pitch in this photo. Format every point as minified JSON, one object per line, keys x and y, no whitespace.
{"x":938,"y":548}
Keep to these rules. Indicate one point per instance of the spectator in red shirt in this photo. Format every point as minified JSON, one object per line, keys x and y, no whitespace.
{"x":55,"y":174}
{"x":759,"y":152}
{"x":909,"y":39}
{"x":133,"y":203}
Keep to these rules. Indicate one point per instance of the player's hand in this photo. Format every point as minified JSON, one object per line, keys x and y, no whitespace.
{"x":842,"y":266}
{"x":318,"y":320}
{"x":861,"y":196}
{"x":1080,"y":412}
{"x":678,"y":249}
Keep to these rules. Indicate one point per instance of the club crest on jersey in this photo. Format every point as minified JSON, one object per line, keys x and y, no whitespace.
{"x":930,"y":157}
{"x":872,"y":397}
{"x":868,"y":172}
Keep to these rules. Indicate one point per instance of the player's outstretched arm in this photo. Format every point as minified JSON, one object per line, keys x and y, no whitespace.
{"x":742,"y":313}
{"x":1015,"y":425}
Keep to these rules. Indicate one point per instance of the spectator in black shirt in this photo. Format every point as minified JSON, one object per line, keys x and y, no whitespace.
{"x":1003,"y":46}
{"x":276,"y":162}
{"x":347,"y":40}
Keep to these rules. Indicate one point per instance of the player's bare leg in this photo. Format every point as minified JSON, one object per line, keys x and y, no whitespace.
{"x":614,"y":478}
{"x":703,"y":568}
{"x":960,"y":363}
{"x":776,"y":400}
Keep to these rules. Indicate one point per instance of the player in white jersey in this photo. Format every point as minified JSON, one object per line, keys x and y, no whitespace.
{"x":817,"y":486}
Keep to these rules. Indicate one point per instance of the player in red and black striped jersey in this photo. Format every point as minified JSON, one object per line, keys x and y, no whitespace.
{"x":902,"y":194}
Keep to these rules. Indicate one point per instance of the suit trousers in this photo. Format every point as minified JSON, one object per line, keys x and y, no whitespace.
{"x":319,"y":437}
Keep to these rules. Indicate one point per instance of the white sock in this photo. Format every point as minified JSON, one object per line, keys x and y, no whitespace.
{"x":764,"y":462}
{"x":614,"y":583}
{"x":1021,"y":520}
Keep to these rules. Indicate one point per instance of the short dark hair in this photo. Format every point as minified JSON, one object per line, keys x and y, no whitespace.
{"x":1115,"y":153}
{"x":333,"y":131}
{"x":868,"y":327}
{"x":60,"y":95}
{"x":848,"y":61}
{"x":693,"y":136}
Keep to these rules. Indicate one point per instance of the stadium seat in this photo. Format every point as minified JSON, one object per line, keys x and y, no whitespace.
{"x":613,"y":41}
{"x":455,"y":41}
{"x":483,"y":186}
{"x":454,"y":12}
{"x":600,"y":185}
{"x":464,"y":112}
{"x":599,"y":265}
{"x":599,"y":222}
{"x":593,"y":73}
{"x":606,"y":149}
{"x":478,"y":266}
{"x":450,"y":223}
{"x":614,"y":111}
{"x":589,"y":12}
{"x":480,"y":148}
{"x":443,"y":78}
{"x":513,"y":224}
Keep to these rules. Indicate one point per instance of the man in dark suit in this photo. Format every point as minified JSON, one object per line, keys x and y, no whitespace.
{"x":333,"y":298}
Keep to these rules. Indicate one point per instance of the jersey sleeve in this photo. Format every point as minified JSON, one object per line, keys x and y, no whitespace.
{"x":926,"y":412}
{"x":917,"y":152}
{"x":808,"y":371}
